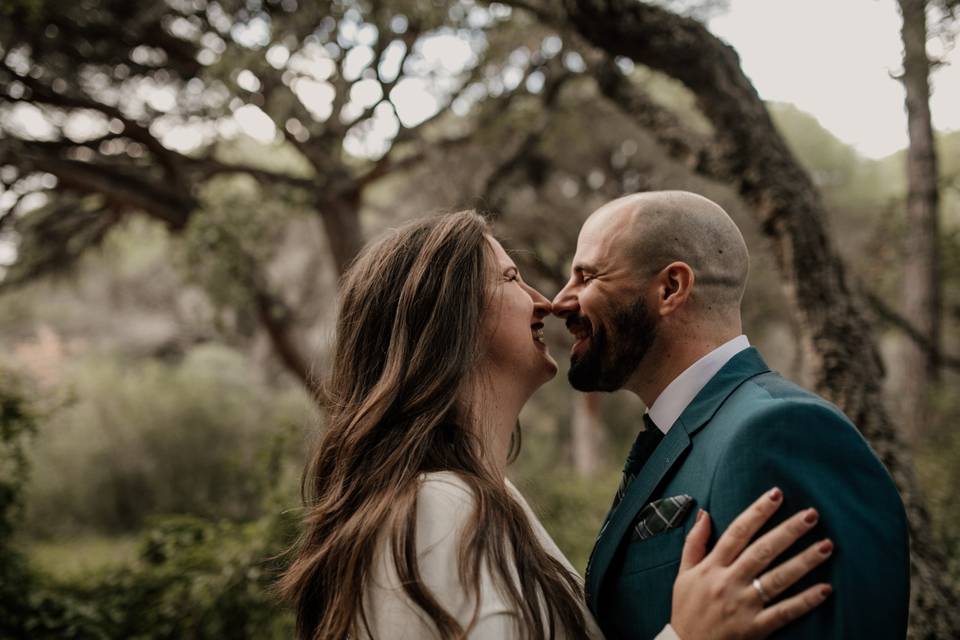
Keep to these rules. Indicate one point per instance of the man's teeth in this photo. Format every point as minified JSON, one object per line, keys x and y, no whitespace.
{"x":538,"y":334}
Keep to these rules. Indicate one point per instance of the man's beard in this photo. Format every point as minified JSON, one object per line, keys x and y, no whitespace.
{"x":606,"y":366}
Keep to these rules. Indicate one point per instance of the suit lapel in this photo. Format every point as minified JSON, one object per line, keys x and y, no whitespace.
{"x":738,"y":370}
{"x":662,"y":459}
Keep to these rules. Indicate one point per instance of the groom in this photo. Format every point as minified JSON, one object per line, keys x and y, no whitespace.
{"x":654,"y":304}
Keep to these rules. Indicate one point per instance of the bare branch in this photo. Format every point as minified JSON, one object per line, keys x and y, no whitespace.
{"x":894,"y":318}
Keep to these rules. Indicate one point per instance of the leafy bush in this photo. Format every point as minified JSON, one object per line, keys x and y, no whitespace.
{"x":192,"y":438}
{"x":16,"y":424}
{"x":195,"y":578}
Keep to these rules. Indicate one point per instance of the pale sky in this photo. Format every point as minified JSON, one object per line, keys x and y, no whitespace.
{"x":833,"y":59}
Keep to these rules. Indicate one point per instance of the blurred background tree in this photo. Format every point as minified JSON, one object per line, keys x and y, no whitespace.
{"x":184,"y":182}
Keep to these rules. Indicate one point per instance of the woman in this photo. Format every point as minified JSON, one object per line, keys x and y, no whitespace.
{"x":411,"y":529}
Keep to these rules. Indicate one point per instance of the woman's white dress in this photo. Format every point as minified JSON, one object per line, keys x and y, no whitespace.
{"x":444,"y":507}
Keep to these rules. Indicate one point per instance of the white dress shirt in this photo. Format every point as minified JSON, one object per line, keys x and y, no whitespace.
{"x":672,"y":402}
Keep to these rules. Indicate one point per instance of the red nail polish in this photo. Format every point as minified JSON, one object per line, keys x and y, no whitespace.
{"x":775,"y":494}
{"x":811,"y":517}
{"x":700,"y":513}
{"x":825,"y":547}
{"x":825,"y":591}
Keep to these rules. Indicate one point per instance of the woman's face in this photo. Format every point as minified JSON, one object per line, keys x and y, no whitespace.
{"x":513,"y":326}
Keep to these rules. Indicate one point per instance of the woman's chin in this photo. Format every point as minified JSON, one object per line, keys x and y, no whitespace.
{"x":550,"y":368}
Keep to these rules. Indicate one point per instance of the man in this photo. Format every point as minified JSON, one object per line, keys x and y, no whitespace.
{"x":654,"y":304}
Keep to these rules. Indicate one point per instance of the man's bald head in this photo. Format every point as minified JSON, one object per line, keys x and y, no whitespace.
{"x":654,"y":229}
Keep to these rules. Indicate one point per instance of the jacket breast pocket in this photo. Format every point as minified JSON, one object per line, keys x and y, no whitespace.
{"x":662,"y":549}
{"x":639,"y":595}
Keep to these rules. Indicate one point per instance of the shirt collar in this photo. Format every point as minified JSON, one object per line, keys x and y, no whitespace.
{"x":684,"y":388}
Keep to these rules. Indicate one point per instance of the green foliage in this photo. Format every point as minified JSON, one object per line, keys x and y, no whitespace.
{"x":231,"y":238}
{"x":571,"y":508}
{"x":200,"y":437}
{"x":938,"y":468}
{"x":16,"y":424}
{"x":196,"y":580}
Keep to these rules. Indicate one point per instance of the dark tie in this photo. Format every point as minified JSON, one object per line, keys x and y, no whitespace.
{"x":647,"y":440}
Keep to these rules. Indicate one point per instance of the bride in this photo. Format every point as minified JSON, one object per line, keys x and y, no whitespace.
{"x":411,"y":528}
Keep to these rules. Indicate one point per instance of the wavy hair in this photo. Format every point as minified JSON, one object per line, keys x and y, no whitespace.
{"x":408,"y":337}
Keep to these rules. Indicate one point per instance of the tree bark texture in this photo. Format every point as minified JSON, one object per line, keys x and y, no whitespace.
{"x":921,"y":269}
{"x":751,"y":155}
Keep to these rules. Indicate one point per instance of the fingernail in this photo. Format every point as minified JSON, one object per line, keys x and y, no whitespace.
{"x":825,"y":590}
{"x":775,"y":494}
{"x":700,"y":513}
{"x":825,"y":547}
{"x":811,"y":517}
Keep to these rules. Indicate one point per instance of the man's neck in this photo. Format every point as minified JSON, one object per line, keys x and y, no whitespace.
{"x":665,"y":361}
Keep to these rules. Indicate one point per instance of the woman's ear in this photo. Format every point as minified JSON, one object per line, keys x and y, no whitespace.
{"x":675,"y":283}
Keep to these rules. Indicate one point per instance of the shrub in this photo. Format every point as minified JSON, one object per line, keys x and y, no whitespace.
{"x":153,"y":438}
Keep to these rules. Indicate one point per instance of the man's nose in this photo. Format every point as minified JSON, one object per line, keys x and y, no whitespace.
{"x":565,"y":302}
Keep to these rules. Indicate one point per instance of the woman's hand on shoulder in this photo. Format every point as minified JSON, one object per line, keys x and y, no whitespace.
{"x":724,"y":594}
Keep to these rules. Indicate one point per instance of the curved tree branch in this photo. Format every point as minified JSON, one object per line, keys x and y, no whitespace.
{"x":845,"y":359}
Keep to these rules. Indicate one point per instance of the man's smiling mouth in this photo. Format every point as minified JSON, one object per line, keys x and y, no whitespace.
{"x":579,"y":327}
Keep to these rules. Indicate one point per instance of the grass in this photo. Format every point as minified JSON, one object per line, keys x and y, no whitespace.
{"x":72,"y":557}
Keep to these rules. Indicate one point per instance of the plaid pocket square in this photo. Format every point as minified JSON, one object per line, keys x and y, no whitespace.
{"x":661,"y":515}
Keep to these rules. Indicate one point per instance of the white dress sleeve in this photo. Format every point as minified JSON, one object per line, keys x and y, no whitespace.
{"x":444,"y":507}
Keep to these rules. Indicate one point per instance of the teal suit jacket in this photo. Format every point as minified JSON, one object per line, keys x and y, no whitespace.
{"x":747,"y":431}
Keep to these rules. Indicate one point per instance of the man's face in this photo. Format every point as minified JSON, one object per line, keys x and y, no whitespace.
{"x":604,"y":309}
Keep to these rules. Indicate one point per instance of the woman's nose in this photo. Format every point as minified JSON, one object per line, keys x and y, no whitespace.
{"x":541,"y":305}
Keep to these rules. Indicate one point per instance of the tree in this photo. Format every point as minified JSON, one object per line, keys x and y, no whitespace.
{"x":130,"y":99}
{"x":922,"y":291}
{"x":747,"y":151}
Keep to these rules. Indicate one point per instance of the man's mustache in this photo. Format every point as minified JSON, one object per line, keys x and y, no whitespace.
{"x":579,"y":323}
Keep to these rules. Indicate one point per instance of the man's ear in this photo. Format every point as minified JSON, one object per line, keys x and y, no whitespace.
{"x":675,"y":283}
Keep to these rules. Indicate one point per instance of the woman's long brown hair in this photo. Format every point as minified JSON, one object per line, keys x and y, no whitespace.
{"x":408,"y":335}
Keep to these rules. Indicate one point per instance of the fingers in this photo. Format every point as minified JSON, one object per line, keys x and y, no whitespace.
{"x":780,"y":578}
{"x":695,"y":546}
{"x":738,"y":534}
{"x":761,"y":552}
{"x":782,"y":613}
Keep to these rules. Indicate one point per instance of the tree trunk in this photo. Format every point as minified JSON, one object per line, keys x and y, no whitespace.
{"x":277,"y":319}
{"x":842,"y":350}
{"x":586,"y":430}
{"x":341,"y":222}
{"x":921,"y":273}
